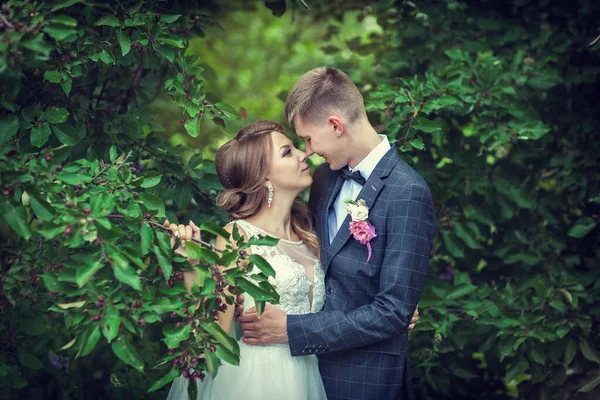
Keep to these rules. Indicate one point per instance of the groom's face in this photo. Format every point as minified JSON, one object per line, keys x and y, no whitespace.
{"x":321,"y":139}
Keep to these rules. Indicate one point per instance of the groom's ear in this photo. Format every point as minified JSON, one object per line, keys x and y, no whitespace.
{"x":336,"y":124}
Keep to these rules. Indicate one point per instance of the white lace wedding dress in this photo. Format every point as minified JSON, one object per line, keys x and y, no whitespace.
{"x":270,"y":372}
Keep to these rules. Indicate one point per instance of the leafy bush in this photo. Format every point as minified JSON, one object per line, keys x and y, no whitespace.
{"x":86,"y":184}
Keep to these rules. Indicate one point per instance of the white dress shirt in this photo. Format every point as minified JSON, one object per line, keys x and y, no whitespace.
{"x":350,"y":189}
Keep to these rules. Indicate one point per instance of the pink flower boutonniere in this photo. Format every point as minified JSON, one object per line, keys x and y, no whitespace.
{"x":360,"y":227}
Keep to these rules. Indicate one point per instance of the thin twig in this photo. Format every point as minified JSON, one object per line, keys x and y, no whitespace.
{"x":305,"y":5}
{"x":111,"y":164}
{"x":6,"y":22}
{"x":164,"y":228}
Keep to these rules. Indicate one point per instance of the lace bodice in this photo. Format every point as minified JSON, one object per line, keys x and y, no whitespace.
{"x":299,"y":277}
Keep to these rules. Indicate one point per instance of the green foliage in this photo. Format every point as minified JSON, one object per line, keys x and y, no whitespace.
{"x":503,"y":115}
{"x":86,"y":183}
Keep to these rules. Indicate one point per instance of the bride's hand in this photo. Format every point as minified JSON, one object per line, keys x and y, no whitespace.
{"x":184,"y":233}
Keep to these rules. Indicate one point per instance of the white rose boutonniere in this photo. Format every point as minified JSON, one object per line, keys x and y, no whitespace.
{"x":358,"y":211}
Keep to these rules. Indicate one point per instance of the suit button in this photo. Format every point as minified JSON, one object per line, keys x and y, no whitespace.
{"x":329,"y":291}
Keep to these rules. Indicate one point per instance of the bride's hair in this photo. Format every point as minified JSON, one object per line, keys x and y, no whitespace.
{"x":242,"y":166}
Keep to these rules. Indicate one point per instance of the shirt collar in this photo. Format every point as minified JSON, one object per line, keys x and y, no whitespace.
{"x":368,"y":164}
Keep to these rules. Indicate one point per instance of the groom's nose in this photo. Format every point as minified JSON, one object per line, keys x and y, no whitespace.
{"x":309,"y":150}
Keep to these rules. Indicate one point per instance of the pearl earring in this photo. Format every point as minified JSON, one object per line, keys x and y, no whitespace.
{"x":270,"y":187}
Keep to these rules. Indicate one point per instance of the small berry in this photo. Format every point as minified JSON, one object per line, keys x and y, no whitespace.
{"x":205,"y":102}
{"x":97,"y":317}
{"x":148,"y":216}
{"x":172,"y":351}
{"x":78,"y":187}
{"x":173,"y":315}
{"x":58,"y":168}
{"x":172,"y":30}
{"x":48,"y":158}
{"x":135,"y":195}
{"x":87,"y":211}
{"x":141,"y":321}
{"x":68,"y":230}
{"x":68,"y":204}
{"x":137,"y":304}
{"x":182,"y":121}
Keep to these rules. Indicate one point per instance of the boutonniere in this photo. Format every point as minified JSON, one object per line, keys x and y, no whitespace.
{"x":360,"y":227}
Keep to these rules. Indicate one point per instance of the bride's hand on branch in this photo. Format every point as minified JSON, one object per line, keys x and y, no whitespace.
{"x":184,"y":233}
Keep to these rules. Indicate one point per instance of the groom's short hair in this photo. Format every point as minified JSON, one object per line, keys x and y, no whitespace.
{"x":323,"y":90}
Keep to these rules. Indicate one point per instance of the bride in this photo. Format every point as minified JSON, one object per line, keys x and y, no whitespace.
{"x":263,"y":173}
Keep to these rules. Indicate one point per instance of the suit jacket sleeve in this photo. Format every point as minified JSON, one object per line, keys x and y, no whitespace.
{"x":410,"y":230}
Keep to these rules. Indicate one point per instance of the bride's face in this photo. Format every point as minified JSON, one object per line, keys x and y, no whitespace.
{"x":289,"y":170}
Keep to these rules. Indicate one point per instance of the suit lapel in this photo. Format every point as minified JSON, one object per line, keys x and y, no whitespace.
{"x":336,"y":185}
{"x":369,"y":194}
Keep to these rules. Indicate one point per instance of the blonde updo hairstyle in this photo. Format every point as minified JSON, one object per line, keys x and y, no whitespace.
{"x":242,"y":167}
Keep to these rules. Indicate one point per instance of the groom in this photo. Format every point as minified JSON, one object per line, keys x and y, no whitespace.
{"x":361,"y":336}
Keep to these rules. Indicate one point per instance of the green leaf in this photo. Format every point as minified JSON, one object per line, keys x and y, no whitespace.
{"x":151,"y":179}
{"x":152,"y":202}
{"x":582,"y":227}
{"x":64,"y":20}
{"x":169,"y":377}
{"x":462,"y":233}
{"x":35,"y":326}
{"x":123,"y":349}
{"x":28,"y":360}
{"x":66,"y":86}
{"x":124,"y":41}
{"x":146,"y":236}
{"x":59,"y":31}
{"x":60,"y":4}
{"x":70,"y":139}
{"x":417,"y":143}
{"x":16,"y":217}
{"x":88,"y":340}
{"x":263,"y":241}
{"x":53,"y":76}
{"x":224,"y":339}
{"x":110,"y":324}
{"x":40,"y":206}
{"x":38,"y":45}
{"x":85,"y":272}
{"x":197,"y":252}
{"x":55,"y":115}
{"x":461,"y":290}
{"x":176,"y":335}
{"x":457,"y":55}
{"x":192,"y":126}
{"x":9,"y":126}
{"x":39,"y":135}
{"x":123,"y":271}
{"x":570,"y":351}
{"x":112,"y":153}
{"x":108,"y":20}
{"x":76,"y":304}
{"x":106,"y":57}
{"x":426,"y":125}
{"x":227,"y":355}
{"x":164,"y":262}
{"x":215,"y":229}
{"x":588,"y":351}
{"x":558,"y":305}
{"x":262,"y":264}
{"x":590,"y":383}
{"x":453,"y":246}
{"x":257,"y":293}
{"x":73,"y":179}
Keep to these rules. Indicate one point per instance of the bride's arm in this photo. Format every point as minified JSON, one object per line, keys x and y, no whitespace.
{"x":225,"y":318}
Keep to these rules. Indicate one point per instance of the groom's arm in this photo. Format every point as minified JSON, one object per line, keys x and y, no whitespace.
{"x":410,"y":230}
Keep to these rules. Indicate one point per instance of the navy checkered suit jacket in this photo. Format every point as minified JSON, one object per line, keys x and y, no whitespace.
{"x":361,"y":336}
